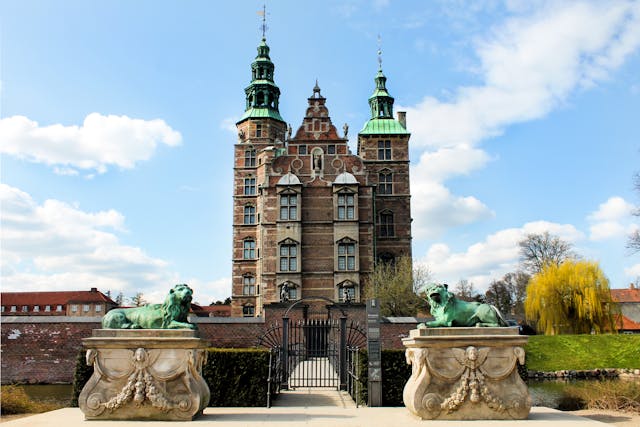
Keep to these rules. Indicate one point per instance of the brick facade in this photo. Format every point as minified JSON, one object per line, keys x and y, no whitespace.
{"x":308,"y":214}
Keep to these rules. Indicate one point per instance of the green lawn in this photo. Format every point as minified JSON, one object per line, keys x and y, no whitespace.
{"x":558,"y":352}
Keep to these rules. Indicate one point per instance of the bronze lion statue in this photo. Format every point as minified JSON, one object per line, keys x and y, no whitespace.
{"x":450,"y":311}
{"x":171,"y":314}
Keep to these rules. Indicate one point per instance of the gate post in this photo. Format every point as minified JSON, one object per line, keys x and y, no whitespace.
{"x":374,"y":352}
{"x":285,"y":352}
{"x":343,"y":352}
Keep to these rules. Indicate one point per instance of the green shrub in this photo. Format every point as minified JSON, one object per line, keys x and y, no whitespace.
{"x":236,"y":377}
{"x":80,"y":377}
{"x":395,"y":373}
{"x":14,"y":400}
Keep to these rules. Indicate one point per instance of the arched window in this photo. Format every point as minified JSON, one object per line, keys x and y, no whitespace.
{"x":249,"y":249}
{"x":248,"y":285}
{"x":385,"y":182}
{"x":250,"y":158}
{"x":249,"y":214}
{"x":387,"y":258}
{"x":347,"y":292}
{"x":386,"y":224}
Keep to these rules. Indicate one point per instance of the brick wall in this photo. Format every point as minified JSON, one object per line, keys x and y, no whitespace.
{"x":44,"y":349}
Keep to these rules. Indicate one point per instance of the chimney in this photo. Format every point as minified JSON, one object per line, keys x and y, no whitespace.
{"x":632,"y":286}
{"x":94,"y":289}
{"x":402,"y":118}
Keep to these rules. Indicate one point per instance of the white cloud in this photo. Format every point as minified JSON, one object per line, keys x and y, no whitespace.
{"x":633,"y":271}
{"x":490,"y":259}
{"x":100,"y":142}
{"x":612,"y":219}
{"x":57,"y":246}
{"x":529,"y":65}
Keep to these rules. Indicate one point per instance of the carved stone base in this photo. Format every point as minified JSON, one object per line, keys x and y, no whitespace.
{"x":466,"y":374}
{"x":145,"y":374}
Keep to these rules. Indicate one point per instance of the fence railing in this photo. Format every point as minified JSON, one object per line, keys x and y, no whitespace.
{"x":353,"y":380}
{"x":274,"y":381}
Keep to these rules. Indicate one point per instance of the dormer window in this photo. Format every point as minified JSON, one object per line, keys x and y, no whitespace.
{"x":288,"y":206}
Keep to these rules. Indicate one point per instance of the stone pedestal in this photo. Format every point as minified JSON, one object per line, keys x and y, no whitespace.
{"x":144,"y":374}
{"x":466,"y":374}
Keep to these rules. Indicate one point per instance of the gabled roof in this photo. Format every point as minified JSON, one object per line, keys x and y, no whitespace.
{"x":626,"y":324}
{"x":626,"y":295}
{"x":53,"y":298}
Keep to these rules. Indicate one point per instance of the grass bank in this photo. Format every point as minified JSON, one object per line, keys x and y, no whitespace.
{"x":558,"y":352}
{"x":14,"y":400}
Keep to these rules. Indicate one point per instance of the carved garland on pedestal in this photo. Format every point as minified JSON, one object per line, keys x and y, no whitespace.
{"x":142,"y":384}
{"x":470,"y":381}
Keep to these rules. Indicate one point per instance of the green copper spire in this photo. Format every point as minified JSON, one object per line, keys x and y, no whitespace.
{"x":381,"y":103}
{"x":262,"y":94}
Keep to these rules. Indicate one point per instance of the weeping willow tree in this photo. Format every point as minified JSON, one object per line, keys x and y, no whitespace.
{"x":572,"y":297}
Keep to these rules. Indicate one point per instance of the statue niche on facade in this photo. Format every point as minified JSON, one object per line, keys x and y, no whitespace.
{"x":451,"y":311}
{"x":171,"y":314}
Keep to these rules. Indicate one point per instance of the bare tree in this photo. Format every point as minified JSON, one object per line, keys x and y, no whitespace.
{"x":509,"y":293}
{"x":119,"y":300}
{"x":465,"y":291}
{"x":633,"y":244}
{"x":137,"y":300}
{"x":537,"y":250}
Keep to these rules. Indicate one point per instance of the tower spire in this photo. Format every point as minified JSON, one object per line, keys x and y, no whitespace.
{"x":263,"y":26}
{"x":379,"y":52}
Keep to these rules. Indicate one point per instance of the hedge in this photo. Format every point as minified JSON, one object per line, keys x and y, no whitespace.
{"x":236,"y":377}
{"x":395,"y":373}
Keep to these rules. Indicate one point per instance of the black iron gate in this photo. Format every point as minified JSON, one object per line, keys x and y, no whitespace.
{"x":312,"y":352}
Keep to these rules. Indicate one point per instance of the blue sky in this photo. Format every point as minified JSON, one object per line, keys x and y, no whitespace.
{"x":117,"y":129}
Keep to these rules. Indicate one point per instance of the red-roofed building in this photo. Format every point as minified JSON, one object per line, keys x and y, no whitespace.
{"x":215,"y":310}
{"x":63,"y":303}
{"x":629,"y":303}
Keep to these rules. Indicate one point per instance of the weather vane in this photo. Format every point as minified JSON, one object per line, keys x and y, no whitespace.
{"x":379,"y":51}
{"x":263,"y":13}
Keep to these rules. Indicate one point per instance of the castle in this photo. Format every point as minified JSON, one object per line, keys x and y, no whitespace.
{"x":310,"y":218}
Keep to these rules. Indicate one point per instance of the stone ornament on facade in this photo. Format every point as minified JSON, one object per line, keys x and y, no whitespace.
{"x":465,"y":377}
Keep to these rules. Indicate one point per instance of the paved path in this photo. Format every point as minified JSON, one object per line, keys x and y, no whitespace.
{"x":306,"y":407}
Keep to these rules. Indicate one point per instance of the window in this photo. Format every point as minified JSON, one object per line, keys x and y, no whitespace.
{"x":3,"y":309}
{"x":248,"y":311}
{"x":36,"y":308}
{"x":98,"y":308}
{"x":250,"y":158}
{"x":302,"y":149}
{"x":289,"y":207}
{"x":288,"y":257}
{"x":384,"y":150}
{"x":331,"y":149}
{"x":346,"y":206}
{"x":47,"y":308}
{"x":385,"y":183}
{"x":387,"y":258}
{"x":25,"y":308}
{"x":249,"y":186}
{"x":346,"y":256}
{"x":86,"y":308}
{"x":249,"y":214}
{"x":347,"y":293}
{"x":249,"y":249}
{"x":293,"y":292}
{"x":13,"y":309}
{"x":386,"y":224}
{"x":248,"y":285}
{"x":258,"y":130}
{"x":74,"y":308}
{"x":59,"y":307}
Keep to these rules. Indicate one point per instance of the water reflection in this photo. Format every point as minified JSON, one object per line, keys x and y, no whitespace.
{"x":60,"y":394}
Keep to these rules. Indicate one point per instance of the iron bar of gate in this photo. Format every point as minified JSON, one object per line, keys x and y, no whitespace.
{"x":274,"y":380}
{"x":353,"y":380}
{"x":343,"y":353}
{"x":285,"y":352}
